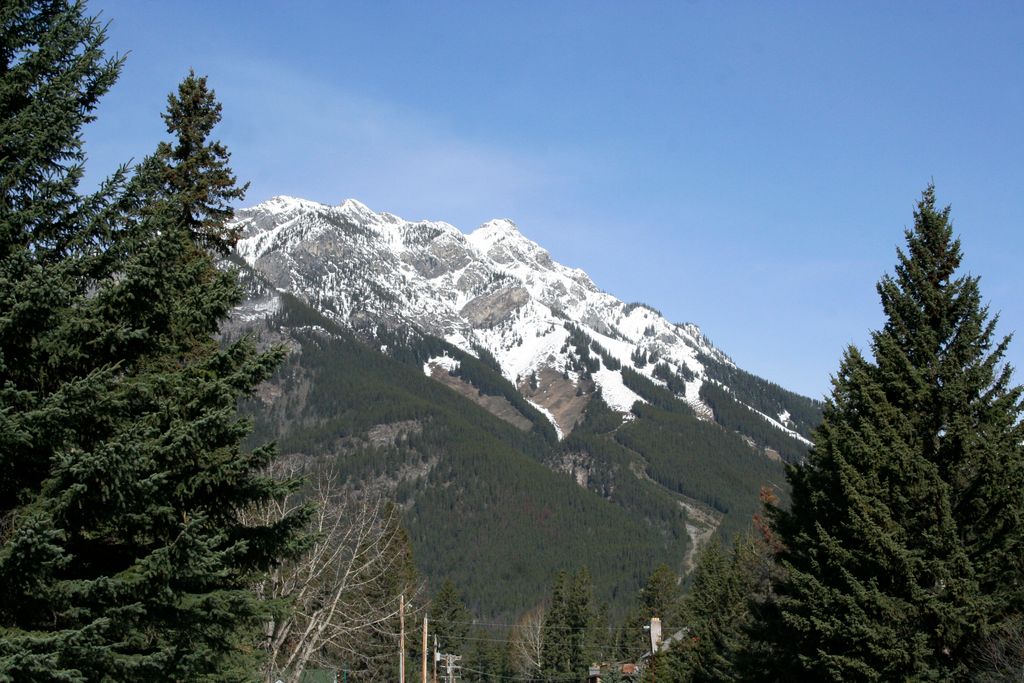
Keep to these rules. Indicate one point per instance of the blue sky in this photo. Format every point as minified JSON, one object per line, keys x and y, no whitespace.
{"x":746,"y":166}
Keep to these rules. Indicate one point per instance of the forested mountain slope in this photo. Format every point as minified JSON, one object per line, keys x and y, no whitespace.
{"x":519,"y":437}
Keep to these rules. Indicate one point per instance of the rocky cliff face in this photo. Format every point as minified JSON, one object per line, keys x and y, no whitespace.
{"x":491,"y":289}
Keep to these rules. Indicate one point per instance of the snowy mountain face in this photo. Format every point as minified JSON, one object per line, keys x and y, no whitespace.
{"x":491,"y":289}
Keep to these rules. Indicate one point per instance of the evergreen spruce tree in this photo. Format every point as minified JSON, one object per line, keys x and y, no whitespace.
{"x":195,"y":168}
{"x":715,"y":613}
{"x":556,"y":653}
{"x":660,"y":596}
{"x":569,"y":638}
{"x":122,"y":554}
{"x":450,"y":619}
{"x":52,"y":75}
{"x":903,"y":546}
{"x":487,"y":660}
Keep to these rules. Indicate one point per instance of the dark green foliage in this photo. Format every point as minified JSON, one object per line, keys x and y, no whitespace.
{"x":196,"y":171}
{"x":685,"y":455}
{"x":487,"y":358}
{"x":571,"y":626}
{"x":903,"y":544}
{"x":710,"y":640}
{"x":765,"y":396}
{"x":700,"y":460}
{"x":52,"y":77}
{"x":609,"y":361}
{"x":655,"y":394}
{"x":486,"y":659}
{"x":449,"y":618}
{"x":585,"y":364}
{"x":122,"y":557}
{"x":715,"y":613}
{"x":676,"y":382}
{"x":611,"y":475}
{"x":692,"y":457}
{"x":599,"y":418}
{"x":53,"y":74}
{"x":686,"y":373}
{"x":732,"y":415}
{"x":660,"y":596}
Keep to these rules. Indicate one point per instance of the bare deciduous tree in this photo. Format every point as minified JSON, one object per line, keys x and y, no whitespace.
{"x":338,"y":591}
{"x":527,"y":643}
{"x":1001,"y":658}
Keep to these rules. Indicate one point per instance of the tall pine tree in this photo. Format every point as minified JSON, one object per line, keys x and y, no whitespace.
{"x":570,"y":638}
{"x":122,"y":554}
{"x":450,"y":619}
{"x":52,"y":74}
{"x":904,"y":544}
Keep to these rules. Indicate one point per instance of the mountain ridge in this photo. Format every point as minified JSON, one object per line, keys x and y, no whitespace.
{"x":492,"y":288}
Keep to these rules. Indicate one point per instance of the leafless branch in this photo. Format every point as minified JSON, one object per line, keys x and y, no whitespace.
{"x":527,"y":642}
{"x":337,"y":589}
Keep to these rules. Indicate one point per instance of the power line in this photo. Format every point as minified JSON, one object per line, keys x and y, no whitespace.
{"x":545,"y":677}
{"x":521,"y":678}
{"x":560,"y":628}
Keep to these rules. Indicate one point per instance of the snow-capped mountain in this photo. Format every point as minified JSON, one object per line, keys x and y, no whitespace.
{"x":491,"y":289}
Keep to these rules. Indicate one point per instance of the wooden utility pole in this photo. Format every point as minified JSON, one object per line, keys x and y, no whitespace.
{"x":401,"y":638}
{"x":424,"y":649}
{"x":436,"y":657}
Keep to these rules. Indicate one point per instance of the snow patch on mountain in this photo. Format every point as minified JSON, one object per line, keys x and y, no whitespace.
{"x":551,"y":418}
{"x":616,"y":394}
{"x":257,"y":309}
{"x":447,"y":362}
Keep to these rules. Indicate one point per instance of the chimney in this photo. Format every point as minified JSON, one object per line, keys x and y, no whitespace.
{"x":655,"y":634}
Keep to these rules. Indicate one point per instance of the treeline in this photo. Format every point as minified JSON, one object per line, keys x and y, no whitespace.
{"x":731,"y":414}
{"x":561,"y":637}
{"x":765,"y":396}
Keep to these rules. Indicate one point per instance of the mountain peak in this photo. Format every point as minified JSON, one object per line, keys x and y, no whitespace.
{"x":499,"y":226}
{"x":282,"y":203}
{"x":501,"y":239}
{"x":494,"y":231}
{"x":355,"y":206}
